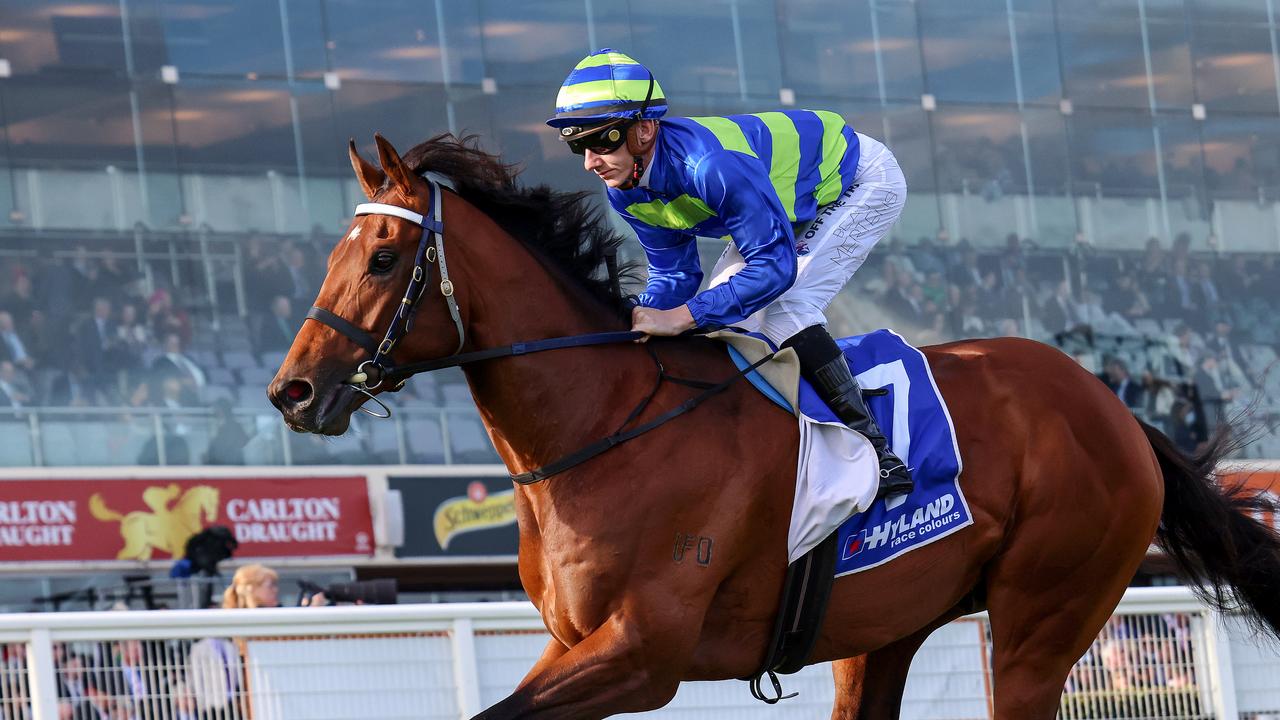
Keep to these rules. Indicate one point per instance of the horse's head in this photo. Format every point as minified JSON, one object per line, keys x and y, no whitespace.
{"x":368,"y":272}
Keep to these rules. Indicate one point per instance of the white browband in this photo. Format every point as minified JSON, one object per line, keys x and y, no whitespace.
{"x":409,"y":303}
{"x":385,"y":209}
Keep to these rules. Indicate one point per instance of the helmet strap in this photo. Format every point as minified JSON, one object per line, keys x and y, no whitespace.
{"x":638,"y":150}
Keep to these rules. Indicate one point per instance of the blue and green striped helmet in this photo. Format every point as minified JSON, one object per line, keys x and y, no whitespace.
{"x":608,"y":85}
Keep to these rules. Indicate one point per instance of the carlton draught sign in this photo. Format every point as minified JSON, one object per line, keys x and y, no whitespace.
{"x":152,"y":519}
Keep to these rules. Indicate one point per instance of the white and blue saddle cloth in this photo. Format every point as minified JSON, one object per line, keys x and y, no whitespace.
{"x":837,"y":475}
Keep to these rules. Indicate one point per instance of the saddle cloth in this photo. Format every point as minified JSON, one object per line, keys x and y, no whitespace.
{"x":837,"y":473}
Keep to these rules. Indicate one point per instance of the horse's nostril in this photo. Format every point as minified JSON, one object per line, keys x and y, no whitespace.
{"x":297,"y":392}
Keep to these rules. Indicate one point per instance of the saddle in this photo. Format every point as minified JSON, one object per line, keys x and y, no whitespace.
{"x":902,"y":394}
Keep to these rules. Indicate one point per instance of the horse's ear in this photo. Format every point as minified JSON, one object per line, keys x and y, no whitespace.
{"x":393,"y":166}
{"x":370,"y":177}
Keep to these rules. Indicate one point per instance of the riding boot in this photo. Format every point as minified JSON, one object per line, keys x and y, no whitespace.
{"x":823,"y":365}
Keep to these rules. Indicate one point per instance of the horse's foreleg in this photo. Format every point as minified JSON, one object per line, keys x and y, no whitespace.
{"x":613,"y":670}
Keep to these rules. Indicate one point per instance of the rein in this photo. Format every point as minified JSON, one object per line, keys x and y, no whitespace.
{"x":430,"y":250}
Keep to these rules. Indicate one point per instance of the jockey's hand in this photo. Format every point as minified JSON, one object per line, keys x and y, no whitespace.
{"x":661,"y":322}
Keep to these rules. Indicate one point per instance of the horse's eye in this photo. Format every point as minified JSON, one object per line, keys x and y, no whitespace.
{"x":382,"y":262}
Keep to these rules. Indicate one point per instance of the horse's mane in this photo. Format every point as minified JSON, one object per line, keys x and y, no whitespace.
{"x":564,"y":227}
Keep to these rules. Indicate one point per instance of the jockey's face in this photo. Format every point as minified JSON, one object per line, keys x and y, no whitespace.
{"x":614,"y":168}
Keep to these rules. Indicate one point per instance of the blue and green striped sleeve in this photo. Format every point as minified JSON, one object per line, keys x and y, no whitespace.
{"x":737,"y":188}
{"x":674,"y":269}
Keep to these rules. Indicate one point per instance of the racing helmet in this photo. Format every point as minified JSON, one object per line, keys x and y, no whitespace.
{"x":606,"y":88}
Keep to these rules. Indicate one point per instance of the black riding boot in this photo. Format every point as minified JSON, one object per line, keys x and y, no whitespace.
{"x":824,"y":366}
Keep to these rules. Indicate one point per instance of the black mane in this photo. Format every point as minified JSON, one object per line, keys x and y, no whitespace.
{"x":565,"y":227}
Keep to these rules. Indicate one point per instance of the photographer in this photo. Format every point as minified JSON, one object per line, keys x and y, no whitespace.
{"x":256,"y":586}
{"x":253,"y":586}
{"x":216,"y":675}
{"x":360,"y":592}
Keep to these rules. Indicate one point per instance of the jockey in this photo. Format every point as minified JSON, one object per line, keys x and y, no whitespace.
{"x":799,"y":195}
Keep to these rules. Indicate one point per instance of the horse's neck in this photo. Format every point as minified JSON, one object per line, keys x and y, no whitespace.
{"x":541,"y":406}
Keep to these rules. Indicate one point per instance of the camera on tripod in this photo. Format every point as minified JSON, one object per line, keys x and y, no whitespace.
{"x":362,"y":592}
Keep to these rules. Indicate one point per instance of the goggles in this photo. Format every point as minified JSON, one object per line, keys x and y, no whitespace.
{"x":600,"y":142}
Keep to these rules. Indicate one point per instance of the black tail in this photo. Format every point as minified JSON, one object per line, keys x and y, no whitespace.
{"x":1211,"y":534}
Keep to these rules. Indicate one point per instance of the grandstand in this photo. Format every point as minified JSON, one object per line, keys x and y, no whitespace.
{"x":185,"y":347}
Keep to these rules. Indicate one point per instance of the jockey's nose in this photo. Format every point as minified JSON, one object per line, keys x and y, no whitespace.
{"x":294,"y":394}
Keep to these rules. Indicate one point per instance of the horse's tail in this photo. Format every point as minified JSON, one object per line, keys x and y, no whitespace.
{"x":1211,"y":533}
{"x":98,"y":508}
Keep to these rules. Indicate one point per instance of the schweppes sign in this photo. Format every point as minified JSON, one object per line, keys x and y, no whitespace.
{"x":477,"y":510}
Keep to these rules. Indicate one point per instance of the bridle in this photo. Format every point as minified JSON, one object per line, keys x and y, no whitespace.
{"x":430,"y":251}
{"x":379,"y":366}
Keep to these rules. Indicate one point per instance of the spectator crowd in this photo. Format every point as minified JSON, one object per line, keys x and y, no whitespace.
{"x":1184,"y":338}
{"x":1142,"y":666}
{"x":86,"y":330}
{"x":201,"y":679}
{"x":89,"y":331}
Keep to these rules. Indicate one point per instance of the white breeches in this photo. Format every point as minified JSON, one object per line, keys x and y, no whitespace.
{"x":832,"y":247}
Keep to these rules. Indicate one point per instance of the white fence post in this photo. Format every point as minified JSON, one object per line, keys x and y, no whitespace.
{"x":1218,"y":647}
{"x":466,"y":673}
{"x":41,"y":675}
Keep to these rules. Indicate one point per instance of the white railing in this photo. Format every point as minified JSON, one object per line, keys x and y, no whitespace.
{"x":1162,"y":656}
{"x":418,"y":432}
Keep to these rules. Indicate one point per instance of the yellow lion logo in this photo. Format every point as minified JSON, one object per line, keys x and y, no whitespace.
{"x":165,"y":528}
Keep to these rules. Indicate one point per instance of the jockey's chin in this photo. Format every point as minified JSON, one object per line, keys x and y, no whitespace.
{"x":613,"y":169}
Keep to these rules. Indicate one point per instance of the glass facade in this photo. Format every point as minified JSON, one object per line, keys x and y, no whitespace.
{"x":156,"y":112}
{"x":168,"y":142}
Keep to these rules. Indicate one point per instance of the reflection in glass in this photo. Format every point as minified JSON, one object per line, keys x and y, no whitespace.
{"x":221,"y":125}
{"x":398,"y":41}
{"x":84,"y":37}
{"x":1234,"y":68}
{"x":967,"y":51}
{"x":979,"y":150}
{"x":404,"y":113}
{"x":221,"y":37}
{"x":726,"y":48}
{"x":534,"y":44}
{"x":1114,"y":152}
{"x":831,"y":48}
{"x":1102,"y":58}
{"x":1240,"y":156}
{"x":1170,"y":62}
{"x":1037,"y":56}
{"x":80,"y":122}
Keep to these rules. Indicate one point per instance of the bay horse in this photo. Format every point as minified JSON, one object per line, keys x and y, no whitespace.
{"x":1067,"y":489}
